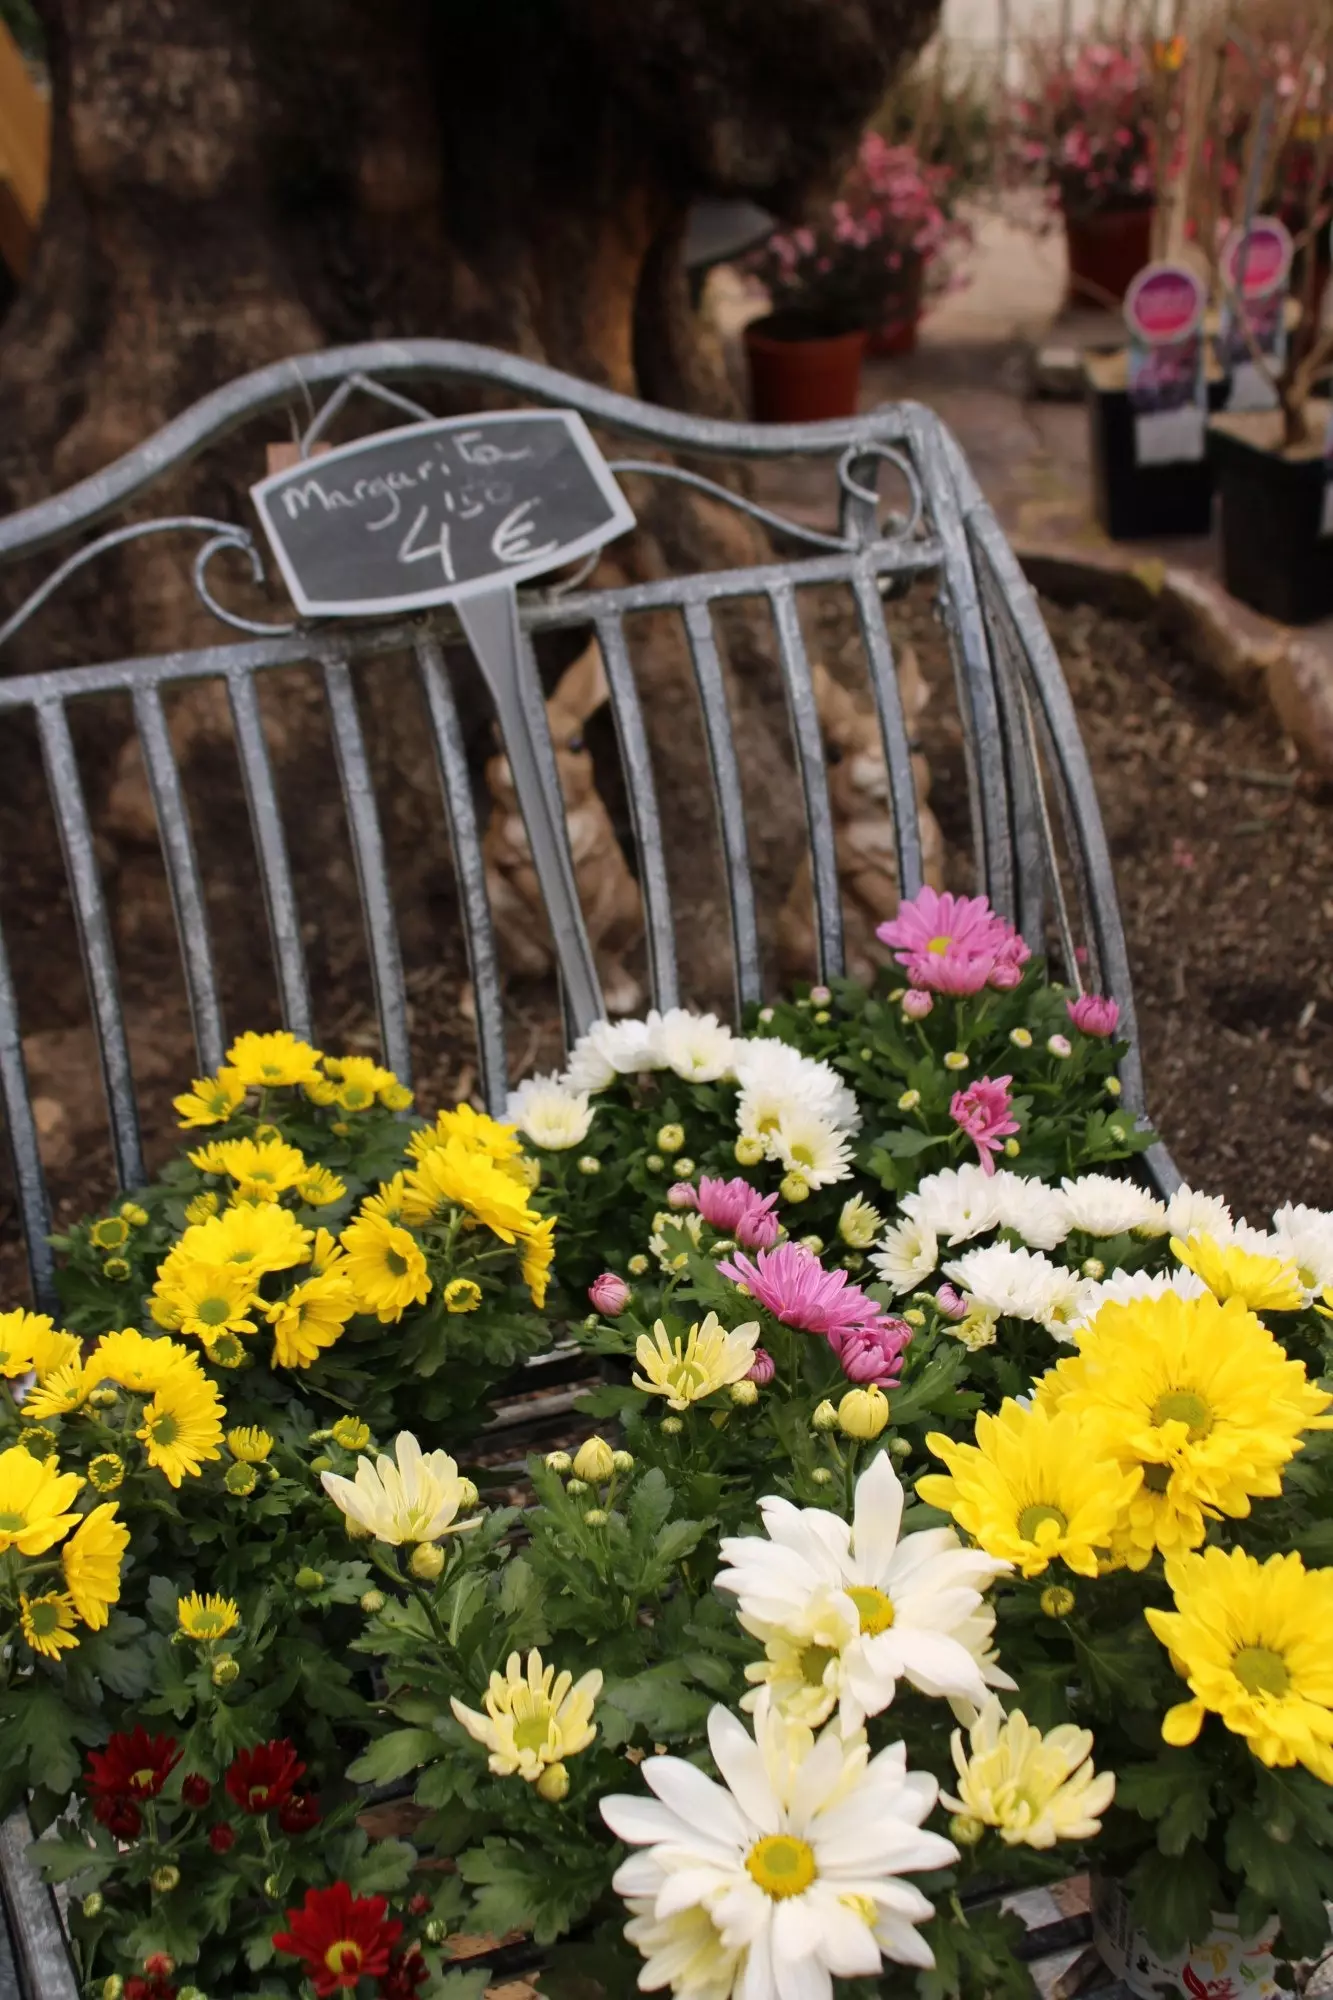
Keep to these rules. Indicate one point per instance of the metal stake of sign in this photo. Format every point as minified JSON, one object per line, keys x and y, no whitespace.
{"x":490,"y":621}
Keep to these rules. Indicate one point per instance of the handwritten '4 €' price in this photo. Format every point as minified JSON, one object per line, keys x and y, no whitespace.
{"x":513,"y":541}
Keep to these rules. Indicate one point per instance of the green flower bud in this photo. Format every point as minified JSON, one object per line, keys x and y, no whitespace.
{"x":955,"y":1059}
{"x":321,"y":1464}
{"x":1012,"y":1149}
{"x":436,"y":1931}
{"x":825,"y":1417}
{"x":113,"y":1986}
{"x":240,"y":1480}
{"x":558,"y":1461}
{"x":309,"y":1579}
{"x":553,"y":1783}
{"x":104,"y":1399}
{"x":1113,"y":1086}
{"x":1093,"y":1267}
{"x":748,"y":1152}
{"x":814,"y":1244}
{"x":468,"y":1496}
{"x":670,"y":1138}
{"x":794,"y":1187}
{"x":589,"y":1164}
{"x":576,"y":1486}
{"x":92,"y":1905}
{"x":273,"y":1886}
{"x":744,"y":1393}
{"x":966,"y":1831}
{"x":654,"y":1163}
{"x":1057,"y":1600}
{"x":822,"y":1476}
{"x":623,"y":1461}
{"x":191,"y":1993}
{"x":597,"y":1517}
{"x":672,"y":1426}
{"x":165,"y":1878}
{"x":225,"y":1670}
{"x":594,"y":1461}
{"x":373,"y":1601}
{"x":863,"y":1413}
{"x":909,"y":1100}
{"x":684,"y":1167}
{"x":822,"y":1018}
{"x":426,"y":1562}
{"x":637,"y":1264}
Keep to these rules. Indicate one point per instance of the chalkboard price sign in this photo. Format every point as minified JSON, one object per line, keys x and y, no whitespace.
{"x":438,"y":512}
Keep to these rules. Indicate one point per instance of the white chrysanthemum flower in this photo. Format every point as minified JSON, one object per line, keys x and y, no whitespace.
{"x":415,"y":1496}
{"x":805,"y":1143}
{"x":684,"y":1951}
{"x":549,"y":1114}
{"x":1020,"y":1284}
{"x":795,"y":1856}
{"x":1030,"y":1208}
{"x":1104,"y":1206}
{"x":1306,"y":1237}
{"x":698,"y":1047}
{"x":611,"y":1049}
{"x":773,"y":1075}
{"x":1123,"y":1287}
{"x":845,"y":1610}
{"x":1189,"y":1212}
{"x":958,"y":1203}
{"x":908,"y":1254}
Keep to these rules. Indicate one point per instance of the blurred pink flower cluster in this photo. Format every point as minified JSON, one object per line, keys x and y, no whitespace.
{"x":888,"y":238}
{"x":1087,"y":127}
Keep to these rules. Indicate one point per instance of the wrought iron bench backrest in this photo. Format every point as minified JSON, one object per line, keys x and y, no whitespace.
{"x":1027,"y":770}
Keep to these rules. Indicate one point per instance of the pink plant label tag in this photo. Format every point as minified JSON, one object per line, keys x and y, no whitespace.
{"x":1255,"y":266}
{"x":1164,"y":311}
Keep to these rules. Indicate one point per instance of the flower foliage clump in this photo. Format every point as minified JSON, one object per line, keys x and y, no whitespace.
{"x":940,"y":1508}
{"x":1087,"y":125}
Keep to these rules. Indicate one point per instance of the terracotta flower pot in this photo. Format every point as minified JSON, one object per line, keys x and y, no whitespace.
{"x":897,"y":331}
{"x":799,"y":375}
{"x":1107,"y":249}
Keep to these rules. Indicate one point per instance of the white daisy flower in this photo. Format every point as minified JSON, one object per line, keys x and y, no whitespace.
{"x":908,"y":1254}
{"x":1123,"y":1287}
{"x":772,"y":1075}
{"x":611,"y":1049}
{"x":684,"y":1951}
{"x":549,"y":1114}
{"x":1020,"y":1284}
{"x":805,"y":1143}
{"x":1306,"y":1235}
{"x":697,"y":1047}
{"x":795,"y":1856}
{"x":845,"y":1610}
{"x":957,"y":1203}
{"x":1189,"y":1212}
{"x":1030,"y":1208}
{"x":1105,"y":1206}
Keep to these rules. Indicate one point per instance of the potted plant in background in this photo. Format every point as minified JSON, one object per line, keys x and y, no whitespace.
{"x":865,"y":262}
{"x":1086,"y":127}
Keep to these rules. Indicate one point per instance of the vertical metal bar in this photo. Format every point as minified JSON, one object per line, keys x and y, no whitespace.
{"x":21,"y":1130}
{"x":504,"y":654}
{"x":809,"y":742}
{"x":183,"y":878}
{"x":470,"y":869}
{"x":275,"y":868}
{"x":1036,"y":862}
{"x":94,"y":929}
{"x":31,"y":1907}
{"x":363,"y":820}
{"x":893,"y":730}
{"x":637,"y":761}
{"x":727,"y":793}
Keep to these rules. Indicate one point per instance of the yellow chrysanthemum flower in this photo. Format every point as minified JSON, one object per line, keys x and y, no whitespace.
{"x":29,"y":1342}
{"x":62,"y":1390}
{"x":710,"y":1359}
{"x":202,"y":1206}
{"x":414,"y":1496}
{"x":1264,"y":1284}
{"x":47,"y":1623}
{"x":210,"y":1100}
{"x":249,"y":1443}
{"x":35,"y":1499}
{"x":320,"y":1187}
{"x":261,"y":1237}
{"x":450,"y":1176}
{"x":310,"y":1318}
{"x":385,"y":1267}
{"x":106,"y":1472}
{"x":1032,"y":1488}
{"x":536,"y":1260}
{"x":351,"y":1434}
{"x":1034,"y":1789}
{"x":209,"y":1299}
{"x":139,"y":1362}
{"x":327,"y":1253}
{"x":110,"y":1232}
{"x":182,"y":1426}
{"x":473,"y":1130}
{"x":268,"y":1062}
{"x":262,"y":1169}
{"x":91,"y":1561}
{"x":354,"y":1083}
{"x":1201,"y":1397}
{"x":206,"y":1618}
{"x":1252,"y":1641}
{"x":462,"y":1295}
{"x":387,"y":1200}
{"x":533,"y":1721}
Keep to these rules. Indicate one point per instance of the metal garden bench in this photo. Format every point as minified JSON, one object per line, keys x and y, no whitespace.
{"x":1037,"y":839}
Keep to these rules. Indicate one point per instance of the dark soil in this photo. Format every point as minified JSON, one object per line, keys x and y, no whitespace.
{"x":1223,"y":849}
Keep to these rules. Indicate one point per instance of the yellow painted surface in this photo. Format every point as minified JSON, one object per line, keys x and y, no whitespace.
{"x":25,"y":148}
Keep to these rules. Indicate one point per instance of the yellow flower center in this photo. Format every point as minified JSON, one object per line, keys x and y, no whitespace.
{"x":11,"y":1523}
{"x":142,"y":1781}
{"x":1261,"y":1671}
{"x":873,"y":1607}
{"x":343,"y":1956}
{"x":353,"y":1096}
{"x":43,"y":1616}
{"x":939,"y":945}
{"x":1184,"y":1406}
{"x":531,"y":1733}
{"x":814,"y":1660}
{"x":396,"y":1263}
{"x":164,"y":1429}
{"x":214,"y":1312}
{"x":1157,"y":1478}
{"x":205,"y":1624}
{"x":274,"y":1072}
{"x":1034,"y":1518}
{"x":781,"y":1865}
{"x":804,"y":1156}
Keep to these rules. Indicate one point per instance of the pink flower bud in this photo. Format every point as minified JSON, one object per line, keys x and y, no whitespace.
{"x":682,"y":1195}
{"x":609,"y":1294}
{"x":917,"y":1004}
{"x":951,"y":1302}
{"x":1092,"y":1015}
{"x":762,"y":1369}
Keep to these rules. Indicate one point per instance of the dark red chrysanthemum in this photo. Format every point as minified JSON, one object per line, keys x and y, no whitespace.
{"x":341,"y":1937}
{"x":407,"y":1970}
{"x":134,"y":1765}
{"x":120,"y":1817}
{"x":221,"y":1838}
{"x":265,"y":1777}
{"x":196,"y":1791}
{"x":153,"y":1988}
{"x":299,"y":1813}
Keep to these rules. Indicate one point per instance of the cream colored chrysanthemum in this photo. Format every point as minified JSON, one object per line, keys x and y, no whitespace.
{"x":1034,"y":1789}
{"x":708,"y":1360}
{"x":534,"y":1719}
{"x":413,"y":1497}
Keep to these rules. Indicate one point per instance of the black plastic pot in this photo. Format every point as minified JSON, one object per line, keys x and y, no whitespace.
{"x":1270,"y":509}
{"x":1140,"y":502}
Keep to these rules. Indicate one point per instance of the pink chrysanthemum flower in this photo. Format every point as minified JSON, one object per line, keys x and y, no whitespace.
{"x":737,"y":1209}
{"x":794,"y":1286}
{"x":983,"y":1112}
{"x":872,"y":1353}
{"x":954,"y":944}
{"x":1092,"y":1015}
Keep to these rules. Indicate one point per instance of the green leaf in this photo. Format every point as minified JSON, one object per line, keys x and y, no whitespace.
{"x":457,"y":1985}
{"x":906,"y":1144}
{"x":660,"y":1700}
{"x":544,"y":1891}
{"x":385,"y":1865}
{"x":63,"y":1860}
{"x":394,"y":1755}
{"x":1174,"y":1905}
{"x":650,"y":1503}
